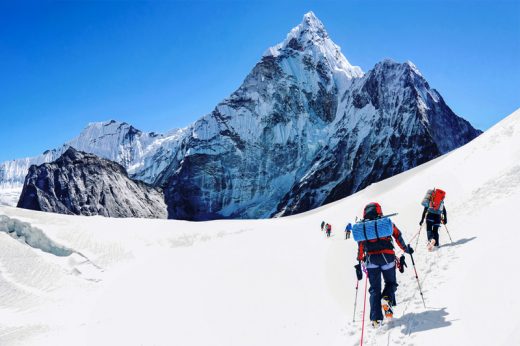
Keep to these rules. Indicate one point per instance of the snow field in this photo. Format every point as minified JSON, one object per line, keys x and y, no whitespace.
{"x":278,"y":281}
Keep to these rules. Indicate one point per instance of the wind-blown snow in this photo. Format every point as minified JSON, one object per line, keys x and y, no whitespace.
{"x":278,"y":281}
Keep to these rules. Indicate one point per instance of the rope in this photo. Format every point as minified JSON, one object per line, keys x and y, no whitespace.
{"x":364,"y":307}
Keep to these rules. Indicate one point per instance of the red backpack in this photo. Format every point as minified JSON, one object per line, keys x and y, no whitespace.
{"x":437,"y":201}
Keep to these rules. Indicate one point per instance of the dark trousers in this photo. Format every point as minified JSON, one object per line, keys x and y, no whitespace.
{"x":432,"y":231}
{"x":374,"y":276}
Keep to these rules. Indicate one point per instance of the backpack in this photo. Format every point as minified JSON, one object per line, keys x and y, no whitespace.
{"x":426,"y":200}
{"x":435,"y":202}
{"x":372,"y":229}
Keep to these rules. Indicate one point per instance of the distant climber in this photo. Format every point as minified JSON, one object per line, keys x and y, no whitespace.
{"x":376,"y":249}
{"x":348,"y":230}
{"x":435,"y":213}
{"x":328,"y":229}
{"x":322,"y":225}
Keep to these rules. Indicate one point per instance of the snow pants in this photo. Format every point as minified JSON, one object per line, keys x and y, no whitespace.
{"x":433,"y":223}
{"x":374,"y":276}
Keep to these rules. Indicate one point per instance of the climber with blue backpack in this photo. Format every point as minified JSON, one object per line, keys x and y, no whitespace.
{"x":435,"y":213}
{"x":376,"y":249}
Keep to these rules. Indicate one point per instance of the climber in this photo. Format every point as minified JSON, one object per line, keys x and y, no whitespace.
{"x":379,"y":257}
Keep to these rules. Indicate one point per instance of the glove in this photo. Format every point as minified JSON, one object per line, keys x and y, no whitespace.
{"x":402,"y":264}
{"x":421,"y":222}
{"x":359,"y":273}
{"x":408,"y":249}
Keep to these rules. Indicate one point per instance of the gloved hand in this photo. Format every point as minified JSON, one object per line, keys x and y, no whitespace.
{"x":359,"y":273}
{"x":402,"y":264}
{"x":421,"y":222}
{"x":408,"y":249}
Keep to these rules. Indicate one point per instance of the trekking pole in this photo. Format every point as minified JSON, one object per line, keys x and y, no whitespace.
{"x":448,"y":232}
{"x":418,"y":283}
{"x":418,"y":236}
{"x":364,"y":306}
{"x":355,"y":302}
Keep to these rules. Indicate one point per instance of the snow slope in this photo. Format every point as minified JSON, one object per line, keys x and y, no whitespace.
{"x":276,"y":281}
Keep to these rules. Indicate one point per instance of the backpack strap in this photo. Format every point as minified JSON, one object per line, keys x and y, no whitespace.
{"x":365,"y":231}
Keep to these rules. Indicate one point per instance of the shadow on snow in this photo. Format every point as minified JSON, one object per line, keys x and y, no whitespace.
{"x":459,"y":242}
{"x":426,"y":320}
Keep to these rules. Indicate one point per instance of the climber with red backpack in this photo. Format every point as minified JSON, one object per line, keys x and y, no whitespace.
{"x":328,"y":229}
{"x":375,"y":247}
{"x":435,"y":213}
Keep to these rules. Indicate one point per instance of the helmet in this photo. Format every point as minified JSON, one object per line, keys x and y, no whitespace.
{"x":372,"y":211}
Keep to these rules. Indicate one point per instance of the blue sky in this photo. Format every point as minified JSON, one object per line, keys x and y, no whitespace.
{"x":162,"y":65}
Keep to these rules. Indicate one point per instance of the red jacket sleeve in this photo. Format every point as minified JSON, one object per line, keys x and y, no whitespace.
{"x":398,"y":238}
{"x":361,"y":251}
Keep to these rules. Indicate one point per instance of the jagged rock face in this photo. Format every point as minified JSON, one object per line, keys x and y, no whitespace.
{"x":84,"y":184}
{"x":307,"y":128}
{"x":396,"y":122}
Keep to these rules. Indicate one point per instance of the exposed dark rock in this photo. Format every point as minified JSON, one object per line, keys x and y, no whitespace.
{"x":84,"y":184}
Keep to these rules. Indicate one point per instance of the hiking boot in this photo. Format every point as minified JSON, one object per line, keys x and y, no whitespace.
{"x":387,"y":308}
{"x":377,"y":324}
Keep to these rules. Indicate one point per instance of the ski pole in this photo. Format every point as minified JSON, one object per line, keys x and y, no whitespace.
{"x":448,"y":232}
{"x":418,"y":283}
{"x":364,"y":306}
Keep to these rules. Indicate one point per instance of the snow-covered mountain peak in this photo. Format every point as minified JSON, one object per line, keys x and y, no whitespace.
{"x":111,"y":127}
{"x":310,"y":39}
{"x":405,"y":74}
{"x":390,"y":64}
{"x":311,"y":27}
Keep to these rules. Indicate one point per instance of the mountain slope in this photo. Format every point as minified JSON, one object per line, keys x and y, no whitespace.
{"x":301,"y":290}
{"x":395,"y":122}
{"x":141,"y":153}
{"x":83,"y":184}
{"x":306,"y":128}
